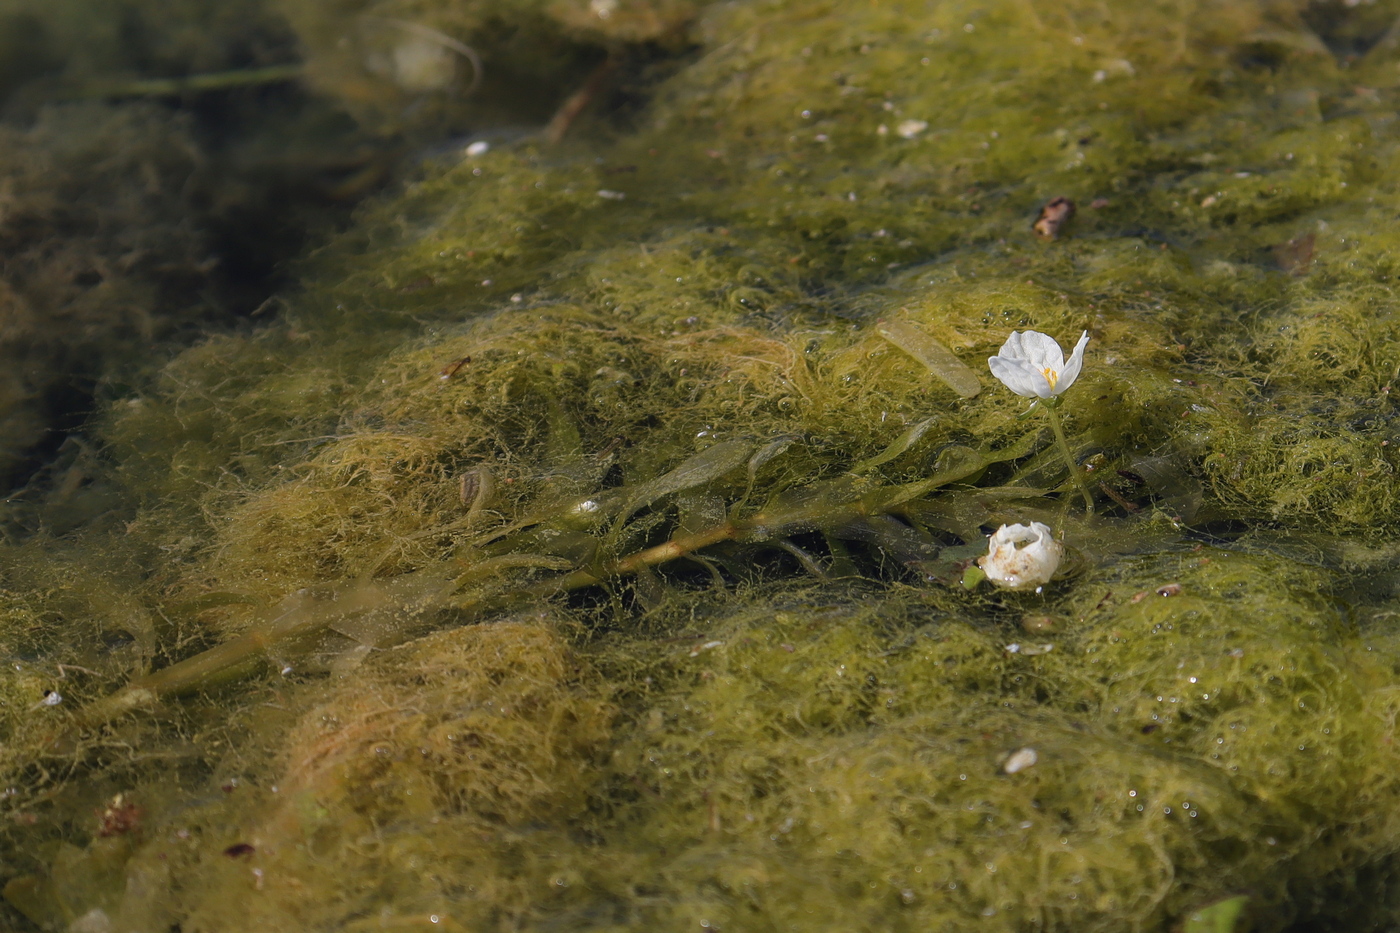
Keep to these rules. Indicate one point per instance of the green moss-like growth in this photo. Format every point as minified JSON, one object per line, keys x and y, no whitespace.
{"x":581,"y":548}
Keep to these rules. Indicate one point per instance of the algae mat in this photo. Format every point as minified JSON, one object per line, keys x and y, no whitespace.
{"x":582,"y":548}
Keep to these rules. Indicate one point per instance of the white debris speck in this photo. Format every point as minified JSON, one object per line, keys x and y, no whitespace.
{"x":1114,"y":68}
{"x":911,"y":128}
{"x":1020,"y":760}
{"x":694,"y":652}
{"x":52,"y":698}
{"x":478,"y":148}
{"x":603,"y":9}
{"x":94,"y":921}
{"x":611,"y":195}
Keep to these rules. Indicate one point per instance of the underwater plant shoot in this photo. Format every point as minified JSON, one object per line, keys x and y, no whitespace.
{"x":762,"y":465}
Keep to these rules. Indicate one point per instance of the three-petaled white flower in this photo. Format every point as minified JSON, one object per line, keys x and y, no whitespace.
{"x":1021,"y":557}
{"x":1033,"y":365}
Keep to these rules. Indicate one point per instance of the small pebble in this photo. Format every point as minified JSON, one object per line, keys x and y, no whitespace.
{"x":911,"y":128}
{"x":1035,"y":624}
{"x":1020,"y":760}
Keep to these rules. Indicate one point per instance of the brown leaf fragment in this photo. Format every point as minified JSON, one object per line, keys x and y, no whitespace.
{"x":453,"y":368}
{"x":119,"y":817}
{"x":1054,"y":215}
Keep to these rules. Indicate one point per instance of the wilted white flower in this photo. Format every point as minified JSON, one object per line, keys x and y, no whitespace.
{"x":1021,"y":557}
{"x":1033,"y":365}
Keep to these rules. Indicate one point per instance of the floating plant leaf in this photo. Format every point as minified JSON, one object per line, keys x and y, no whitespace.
{"x":940,"y":361}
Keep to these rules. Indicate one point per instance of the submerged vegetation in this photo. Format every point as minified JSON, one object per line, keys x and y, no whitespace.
{"x":581,"y":543}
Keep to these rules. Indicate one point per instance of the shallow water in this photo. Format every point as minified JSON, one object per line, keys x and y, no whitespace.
{"x":582,"y":540}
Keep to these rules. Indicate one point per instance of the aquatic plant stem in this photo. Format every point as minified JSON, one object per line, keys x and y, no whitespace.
{"x":298,"y":622}
{"x":1058,"y":427}
{"x":193,"y":84}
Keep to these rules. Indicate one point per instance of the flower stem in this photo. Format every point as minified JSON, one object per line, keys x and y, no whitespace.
{"x":1074,"y":472}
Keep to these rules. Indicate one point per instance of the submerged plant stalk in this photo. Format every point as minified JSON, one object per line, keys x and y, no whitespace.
{"x":381,"y":613}
{"x":1063,"y":443}
{"x":192,"y":84}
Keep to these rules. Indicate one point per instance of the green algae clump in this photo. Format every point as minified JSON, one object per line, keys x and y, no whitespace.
{"x":578,"y":551}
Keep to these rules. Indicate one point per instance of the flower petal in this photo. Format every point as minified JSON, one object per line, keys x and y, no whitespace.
{"x":1020,"y":376}
{"x":1041,"y":351}
{"x":1073,"y":367}
{"x":1011,"y":349}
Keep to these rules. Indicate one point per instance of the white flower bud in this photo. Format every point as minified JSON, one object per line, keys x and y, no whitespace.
{"x":1021,"y":557}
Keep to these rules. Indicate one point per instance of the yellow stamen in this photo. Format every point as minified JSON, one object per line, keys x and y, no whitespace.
{"x":1051,"y":376}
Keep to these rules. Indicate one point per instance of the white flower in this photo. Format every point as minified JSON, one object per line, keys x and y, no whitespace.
{"x":1033,"y":365}
{"x":1021,"y":557}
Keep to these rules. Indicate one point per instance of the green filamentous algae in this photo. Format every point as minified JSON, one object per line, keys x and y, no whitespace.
{"x":575,"y":548}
